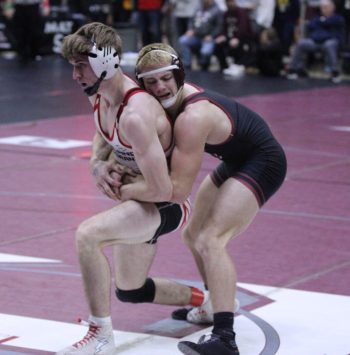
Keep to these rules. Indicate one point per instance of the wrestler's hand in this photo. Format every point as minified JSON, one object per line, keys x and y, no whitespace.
{"x":108,"y":176}
{"x":129,"y":179}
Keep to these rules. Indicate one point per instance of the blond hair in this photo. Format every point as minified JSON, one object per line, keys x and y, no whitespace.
{"x":81,"y":42}
{"x":155,"y":54}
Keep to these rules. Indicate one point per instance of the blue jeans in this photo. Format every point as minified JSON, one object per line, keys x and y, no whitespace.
{"x":307,"y":45}
{"x":193,"y":43}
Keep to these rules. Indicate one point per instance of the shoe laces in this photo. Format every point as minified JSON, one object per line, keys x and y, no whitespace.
{"x":199,"y":311}
{"x":91,"y":334}
{"x":212,"y":337}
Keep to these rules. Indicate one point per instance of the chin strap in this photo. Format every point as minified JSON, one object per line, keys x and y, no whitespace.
{"x":172,"y":101}
{"x":92,"y":90}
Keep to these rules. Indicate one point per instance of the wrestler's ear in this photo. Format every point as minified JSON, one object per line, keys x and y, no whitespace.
{"x":104,"y":61}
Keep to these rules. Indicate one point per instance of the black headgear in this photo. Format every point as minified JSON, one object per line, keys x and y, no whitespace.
{"x":176,"y":66}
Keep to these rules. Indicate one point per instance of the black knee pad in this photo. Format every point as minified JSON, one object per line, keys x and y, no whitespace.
{"x":143,"y":294}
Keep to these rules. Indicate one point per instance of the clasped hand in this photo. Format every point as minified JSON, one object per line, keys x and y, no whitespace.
{"x":110,"y":176}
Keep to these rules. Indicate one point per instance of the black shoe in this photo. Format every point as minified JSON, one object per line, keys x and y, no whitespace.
{"x":180,"y":314}
{"x":302,"y":73}
{"x":215,"y":345}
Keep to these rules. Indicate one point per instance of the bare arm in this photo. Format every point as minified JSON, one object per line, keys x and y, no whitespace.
{"x":187,"y":156}
{"x":100,"y":151}
{"x":107,"y":172}
{"x":156,"y":186}
{"x":186,"y":160}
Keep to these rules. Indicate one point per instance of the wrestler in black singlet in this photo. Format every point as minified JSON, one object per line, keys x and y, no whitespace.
{"x":251,"y":154}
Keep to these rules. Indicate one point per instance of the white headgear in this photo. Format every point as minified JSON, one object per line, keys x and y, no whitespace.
{"x":104,"y":61}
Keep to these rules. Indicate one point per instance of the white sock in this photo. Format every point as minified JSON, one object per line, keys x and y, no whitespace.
{"x":206,"y":297}
{"x":101,"y":321}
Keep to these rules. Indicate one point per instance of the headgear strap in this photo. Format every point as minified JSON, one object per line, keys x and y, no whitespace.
{"x":156,"y":71}
{"x":175,"y":65}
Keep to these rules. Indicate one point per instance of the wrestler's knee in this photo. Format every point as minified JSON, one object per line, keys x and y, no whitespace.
{"x":146,"y":293}
{"x":206,"y":244}
{"x":84,"y":236}
{"x":212,"y":240}
{"x":188,"y":236}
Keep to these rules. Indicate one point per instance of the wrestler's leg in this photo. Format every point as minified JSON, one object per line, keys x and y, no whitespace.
{"x":129,"y":222}
{"x":132,"y":264}
{"x":231,"y":212}
{"x":205,"y":196}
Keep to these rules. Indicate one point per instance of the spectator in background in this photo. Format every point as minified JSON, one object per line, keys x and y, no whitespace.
{"x":122,"y":10}
{"x":287,"y":13}
{"x":184,"y":11}
{"x":205,"y":27}
{"x":92,"y":10}
{"x":269,"y":53}
{"x":261,"y":13}
{"x":221,"y":4}
{"x":325,"y":33}
{"x":150,"y":17}
{"x":344,"y":10}
{"x":312,"y":8}
{"x":235,"y":41}
{"x":246,"y":4}
{"x":26,"y":17}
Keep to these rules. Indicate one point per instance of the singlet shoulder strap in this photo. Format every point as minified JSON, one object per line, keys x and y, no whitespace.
{"x":127,"y":96}
{"x":193,"y":98}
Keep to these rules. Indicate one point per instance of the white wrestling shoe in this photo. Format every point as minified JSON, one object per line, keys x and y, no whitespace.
{"x":204,"y":313}
{"x":98,"y":340}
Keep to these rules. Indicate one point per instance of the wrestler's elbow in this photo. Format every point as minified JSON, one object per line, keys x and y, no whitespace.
{"x":180,"y":193}
{"x":167,"y":192}
{"x":162,"y":192}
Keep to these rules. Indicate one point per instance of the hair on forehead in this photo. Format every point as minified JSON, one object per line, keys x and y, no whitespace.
{"x":158,"y":57}
{"x":81,"y":42}
{"x":155,"y":54}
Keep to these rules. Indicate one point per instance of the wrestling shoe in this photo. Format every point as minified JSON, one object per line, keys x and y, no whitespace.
{"x":211,"y":344}
{"x":98,"y":340}
{"x":199,"y":315}
{"x":296,"y":74}
{"x":335,"y":77}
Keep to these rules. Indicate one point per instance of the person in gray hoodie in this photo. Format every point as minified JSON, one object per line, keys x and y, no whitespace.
{"x":205,"y":27}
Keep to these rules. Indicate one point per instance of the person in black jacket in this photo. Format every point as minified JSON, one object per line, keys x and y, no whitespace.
{"x":325,"y":33}
{"x":26,"y":19}
{"x":287,"y":14}
{"x":236,"y":39}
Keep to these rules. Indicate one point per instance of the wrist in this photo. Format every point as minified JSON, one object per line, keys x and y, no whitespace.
{"x":93,"y":165}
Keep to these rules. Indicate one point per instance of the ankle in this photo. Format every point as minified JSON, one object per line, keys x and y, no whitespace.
{"x":225,"y":334}
{"x":198,"y":297}
{"x":100,"y":321}
{"x":223,"y":324}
